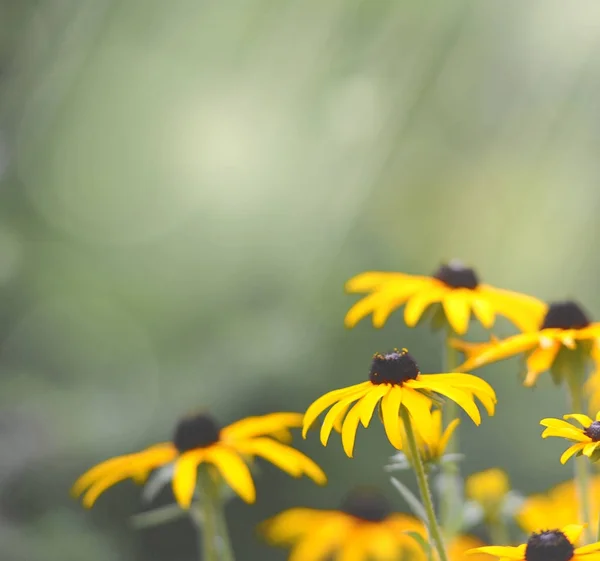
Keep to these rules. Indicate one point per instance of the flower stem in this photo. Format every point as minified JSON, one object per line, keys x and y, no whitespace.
{"x":216,"y":545}
{"x":582,"y":474}
{"x":498,"y":530}
{"x":417,"y":463}
{"x":450,"y":499}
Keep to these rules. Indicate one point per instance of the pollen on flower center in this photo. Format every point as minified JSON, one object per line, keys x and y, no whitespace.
{"x":393,"y":368}
{"x":366,"y":504}
{"x":198,"y":431}
{"x":593,"y":431}
{"x":565,"y":315}
{"x":456,"y":275}
{"x":551,"y":545}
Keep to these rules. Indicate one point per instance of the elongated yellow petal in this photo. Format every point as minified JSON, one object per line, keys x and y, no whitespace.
{"x":373,"y":280}
{"x":501,"y":350}
{"x":349,"y":429}
{"x":101,"y":485}
{"x":186,"y":475}
{"x":590,"y":448}
{"x":318,"y":406}
{"x":526,"y":312}
{"x":461,"y":397}
{"x":570,"y":451}
{"x":289,"y":525}
{"x":592,"y":331}
{"x":418,"y":303}
{"x":447,"y":436}
{"x":382,"y":544}
{"x":557,"y":424}
{"x":419,"y":408}
{"x":591,"y":548}
{"x":573,"y":532}
{"x":368,"y":403}
{"x":320,"y":544}
{"x":339,"y":421}
{"x":483,"y":309}
{"x":334,"y":413}
{"x":573,"y":434}
{"x":233,"y":470}
{"x":540,"y":360}
{"x":261,"y":425}
{"x":390,"y":409}
{"x":516,"y":553}
{"x":364,"y":307}
{"x":457,"y":308}
{"x":583,"y":420}
{"x":98,"y":472}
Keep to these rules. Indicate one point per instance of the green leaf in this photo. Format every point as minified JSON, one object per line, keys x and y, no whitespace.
{"x":158,"y":516}
{"x":412,"y":501}
{"x":422,"y":542}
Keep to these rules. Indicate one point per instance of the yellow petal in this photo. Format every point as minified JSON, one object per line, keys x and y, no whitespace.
{"x":233,"y":470}
{"x":390,"y":409}
{"x":483,"y":310}
{"x":583,"y":420}
{"x":364,"y":307}
{"x":501,"y":350}
{"x":417,"y":304}
{"x":186,"y":475}
{"x":335,"y":412}
{"x":573,"y":434}
{"x":557,"y":424}
{"x":573,"y":532}
{"x":339,"y":421}
{"x":99,"y":471}
{"x":369,"y":401}
{"x":289,"y":525}
{"x":540,"y":360}
{"x":349,"y":429}
{"x":381,"y":543}
{"x":457,"y":309}
{"x":586,"y":549}
{"x":318,"y":406}
{"x":286,"y":458}
{"x":463,"y":398}
{"x":516,"y":553}
{"x":320,"y":544}
{"x":590,"y":448}
{"x":261,"y":425}
{"x":447,"y":436}
{"x":419,"y":408}
{"x":353,"y":548}
{"x":570,"y":451}
{"x":373,"y":280}
{"x":526,"y":312}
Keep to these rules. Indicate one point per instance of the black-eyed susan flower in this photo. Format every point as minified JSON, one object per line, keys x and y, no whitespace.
{"x":431,"y":452}
{"x":199,"y":440}
{"x":565,"y":335}
{"x":558,"y":506}
{"x":396,"y":381}
{"x":548,"y":545}
{"x":488,"y":489}
{"x":453,"y":286}
{"x":364,"y":528}
{"x":586,"y":438}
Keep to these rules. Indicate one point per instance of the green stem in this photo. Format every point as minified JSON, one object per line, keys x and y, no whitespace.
{"x":582,"y":474}
{"x":223,"y":530}
{"x":498,"y":530}
{"x":450,"y":499}
{"x":434,"y":528}
{"x":207,"y":516}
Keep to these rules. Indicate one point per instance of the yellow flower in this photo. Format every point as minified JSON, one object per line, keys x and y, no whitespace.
{"x":558,"y":506}
{"x":565,"y":327}
{"x":458,"y":547}
{"x":488,"y":487}
{"x":432,"y":452}
{"x":587,"y":439}
{"x":454,"y":286}
{"x":395,"y":380}
{"x":198,"y":440}
{"x":364,"y":528}
{"x":548,"y":545}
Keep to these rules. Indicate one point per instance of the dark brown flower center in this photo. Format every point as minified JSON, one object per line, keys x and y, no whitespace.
{"x":366,"y":504}
{"x":456,"y":275}
{"x":198,"y":431}
{"x":593,"y":431}
{"x":565,"y":315}
{"x":551,"y":545}
{"x":393,"y":368}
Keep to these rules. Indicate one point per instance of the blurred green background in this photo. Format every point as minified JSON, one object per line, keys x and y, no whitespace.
{"x":185,"y":188}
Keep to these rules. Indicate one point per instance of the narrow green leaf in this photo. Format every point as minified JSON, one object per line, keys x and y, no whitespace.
{"x":412,"y":501}
{"x":421,"y":541}
{"x":158,"y":516}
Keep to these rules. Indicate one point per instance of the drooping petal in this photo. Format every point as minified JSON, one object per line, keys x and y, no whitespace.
{"x":390,"y":409}
{"x":516,"y":553}
{"x":335,"y":412}
{"x":484,"y":310}
{"x":558,"y":424}
{"x":234,"y":471}
{"x":572,"y":434}
{"x":417,"y":304}
{"x":526,"y":312}
{"x":447,"y":435}
{"x":457,"y":308}
{"x":261,"y":425}
{"x":349,"y":429}
{"x":320,"y":544}
{"x":590,"y":448}
{"x":289,"y":525}
{"x":540,"y":360}
{"x":583,"y":420}
{"x":101,"y":485}
{"x":186,"y":475}
{"x":373,"y":280}
{"x":369,"y":402}
{"x":318,"y":406}
{"x":364,"y":307}
{"x":570,"y":451}
{"x":419,"y":408}
{"x":461,"y":397}
{"x":501,"y":350}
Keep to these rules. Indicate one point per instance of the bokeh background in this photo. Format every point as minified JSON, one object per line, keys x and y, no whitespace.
{"x":185,"y":188}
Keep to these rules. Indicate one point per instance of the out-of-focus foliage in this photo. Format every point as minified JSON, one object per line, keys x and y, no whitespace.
{"x":185,"y":187}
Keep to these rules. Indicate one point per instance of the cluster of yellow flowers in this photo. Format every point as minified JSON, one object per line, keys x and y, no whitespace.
{"x":419,"y":415}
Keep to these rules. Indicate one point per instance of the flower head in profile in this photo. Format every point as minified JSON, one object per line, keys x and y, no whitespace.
{"x":396,"y":381}
{"x":199,"y":440}
{"x":564,"y":335}
{"x":489,"y":490}
{"x":547,"y":545}
{"x":453,"y":286}
{"x":586,"y":438}
{"x":431,"y":452}
{"x":365,"y":527}
{"x":558,"y":506}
